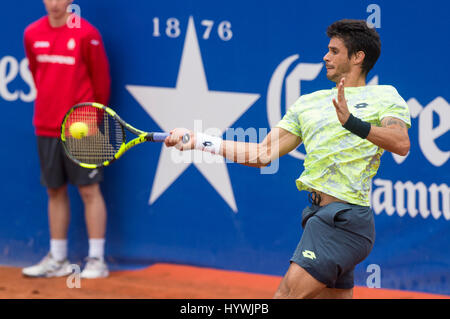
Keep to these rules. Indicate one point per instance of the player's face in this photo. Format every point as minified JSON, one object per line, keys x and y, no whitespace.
{"x":336,"y":60}
{"x":57,"y":8}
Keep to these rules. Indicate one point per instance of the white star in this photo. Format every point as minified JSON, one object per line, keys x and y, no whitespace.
{"x":191,"y":101}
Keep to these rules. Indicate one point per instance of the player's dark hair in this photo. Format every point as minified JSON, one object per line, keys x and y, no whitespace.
{"x":358,"y":36}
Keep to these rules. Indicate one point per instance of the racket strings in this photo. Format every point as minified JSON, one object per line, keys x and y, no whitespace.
{"x":102,"y":140}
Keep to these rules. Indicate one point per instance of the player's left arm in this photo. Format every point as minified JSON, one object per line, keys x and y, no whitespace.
{"x":94,"y":54}
{"x":391,"y":136}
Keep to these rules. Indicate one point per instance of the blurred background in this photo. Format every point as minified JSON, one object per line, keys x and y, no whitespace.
{"x":259,"y":56}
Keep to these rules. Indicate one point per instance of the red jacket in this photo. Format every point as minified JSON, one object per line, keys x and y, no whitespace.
{"x":69,"y":66}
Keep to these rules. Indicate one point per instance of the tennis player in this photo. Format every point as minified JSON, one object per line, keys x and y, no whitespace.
{"x":345,"y":130}
{"x":69,"y":65}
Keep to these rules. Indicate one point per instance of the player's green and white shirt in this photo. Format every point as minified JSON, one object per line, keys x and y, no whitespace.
{"x":338,"y":162}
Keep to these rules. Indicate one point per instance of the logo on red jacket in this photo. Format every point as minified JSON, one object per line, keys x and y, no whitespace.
{"x":71,"y":44}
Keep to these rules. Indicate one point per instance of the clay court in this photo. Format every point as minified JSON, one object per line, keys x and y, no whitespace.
{"x":167,"y":281}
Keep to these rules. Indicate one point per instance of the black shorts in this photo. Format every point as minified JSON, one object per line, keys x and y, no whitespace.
{"x":336,"y":238}
{"x":57,"y":169}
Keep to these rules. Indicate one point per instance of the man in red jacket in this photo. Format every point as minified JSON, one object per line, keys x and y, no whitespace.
{"x":69,"y":65}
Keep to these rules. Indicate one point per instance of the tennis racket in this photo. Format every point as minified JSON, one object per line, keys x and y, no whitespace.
{"x":93,"y":135}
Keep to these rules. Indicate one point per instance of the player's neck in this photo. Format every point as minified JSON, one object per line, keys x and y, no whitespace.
{"x":352,"y":80}
{"x":58,"y":22}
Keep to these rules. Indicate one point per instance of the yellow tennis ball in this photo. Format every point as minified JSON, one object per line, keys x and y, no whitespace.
{"x":79,"y":130}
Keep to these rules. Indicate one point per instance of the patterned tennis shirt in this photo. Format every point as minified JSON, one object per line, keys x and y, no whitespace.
{"x":338,"y":162}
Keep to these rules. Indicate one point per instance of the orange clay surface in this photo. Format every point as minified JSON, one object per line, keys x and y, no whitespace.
{"x":166,"y":281}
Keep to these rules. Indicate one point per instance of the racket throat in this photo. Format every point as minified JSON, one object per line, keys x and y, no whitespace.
{"x":149,"y":137}
{"x":125,"y":147}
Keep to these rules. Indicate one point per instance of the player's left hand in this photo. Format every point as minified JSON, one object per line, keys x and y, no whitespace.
{"x":341,"y":104}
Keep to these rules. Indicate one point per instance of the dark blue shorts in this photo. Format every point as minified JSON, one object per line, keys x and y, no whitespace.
{"x":57,"y":169}
{"x":336,"y":237}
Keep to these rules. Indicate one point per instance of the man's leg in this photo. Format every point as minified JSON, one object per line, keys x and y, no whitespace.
{"x":95,"y":210}
{"x":58,"y":212}
{"x":298,"y":283}
{"x":334,"y":293}
{"x":95,"y":215}
{"x":55,"y":264}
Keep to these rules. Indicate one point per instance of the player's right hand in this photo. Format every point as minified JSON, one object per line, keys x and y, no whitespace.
{"x":176,"y":139}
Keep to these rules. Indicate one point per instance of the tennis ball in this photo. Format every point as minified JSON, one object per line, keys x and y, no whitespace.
{"x":78,"y":130}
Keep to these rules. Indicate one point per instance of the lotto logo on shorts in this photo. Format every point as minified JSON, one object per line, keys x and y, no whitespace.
{"x":309,"y":254}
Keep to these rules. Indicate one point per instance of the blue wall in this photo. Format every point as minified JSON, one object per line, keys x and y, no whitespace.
{"x":254,"y":55}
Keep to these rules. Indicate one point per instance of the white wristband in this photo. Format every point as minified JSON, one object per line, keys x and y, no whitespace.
{"x":208,"y":143}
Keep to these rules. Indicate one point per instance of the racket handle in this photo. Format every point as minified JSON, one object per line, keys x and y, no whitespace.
{"x":160,"y":137}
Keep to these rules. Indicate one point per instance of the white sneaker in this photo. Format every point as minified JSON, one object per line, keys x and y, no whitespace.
{"x":48,"y":267}
{"x":95,"y":268}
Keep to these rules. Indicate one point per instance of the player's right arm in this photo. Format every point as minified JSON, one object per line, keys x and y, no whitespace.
{"x":276,"y":144}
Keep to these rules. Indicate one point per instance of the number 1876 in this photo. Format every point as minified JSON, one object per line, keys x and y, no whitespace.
{"x":172,"y":29}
